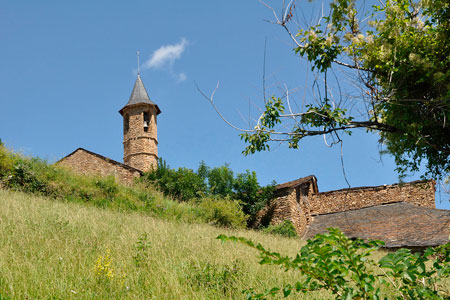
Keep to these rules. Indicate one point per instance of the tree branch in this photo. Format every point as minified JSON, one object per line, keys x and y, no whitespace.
{"x":211,"y":100}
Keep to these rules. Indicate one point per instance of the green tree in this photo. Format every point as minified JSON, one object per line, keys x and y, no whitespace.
{"x":203,"y":170}
{"x":220,"y":181}
{"x":183,"y":183}
{"x":251,"y":194}
{"x":217,"y":183}
{"x":398,"y":55}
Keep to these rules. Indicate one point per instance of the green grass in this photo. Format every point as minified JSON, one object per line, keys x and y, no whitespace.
{"x":49,"y":250}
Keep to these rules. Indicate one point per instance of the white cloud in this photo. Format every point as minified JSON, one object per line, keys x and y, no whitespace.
{"x":166,"y":55}
{"x":182,"y":77}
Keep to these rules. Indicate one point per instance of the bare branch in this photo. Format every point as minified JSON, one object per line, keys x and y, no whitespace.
{"x":264,"y":71}
{"x":351,"y":66}
{"x":289,"y":102}
{"x":273,"y":10}
{"x":211,"y":100}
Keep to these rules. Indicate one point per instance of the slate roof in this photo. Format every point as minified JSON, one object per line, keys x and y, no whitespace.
{"x":398,"y":224}
{"x":139,"y":95}
{"x":114,"y":162}
{"x":297,"y":182}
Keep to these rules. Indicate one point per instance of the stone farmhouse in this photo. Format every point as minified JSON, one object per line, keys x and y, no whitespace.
{"x":400,"y":214}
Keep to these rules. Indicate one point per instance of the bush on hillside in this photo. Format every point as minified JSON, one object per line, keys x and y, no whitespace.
{"x":108,"y":187}
{"x":6,"y":160}
{"x":182,"y":184}
{"x":22,"y":174}
{"x":217,"y":183}
{"x":222,"y":212}
{"x":252,"y":196}
{"x":286,"y":228}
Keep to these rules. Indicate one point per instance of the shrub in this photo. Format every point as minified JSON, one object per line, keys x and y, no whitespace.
{"x":108,"y":187}
{"x":286,"y":228}
{"x":22,"y":177}
{"x":184,"y":184}
{"x":252,"y":196}
{"x":222,"y":212}
{"x":141,"y":249}
{"x":6,"y":161}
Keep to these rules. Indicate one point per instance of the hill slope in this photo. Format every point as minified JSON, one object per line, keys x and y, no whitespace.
{"x":55,"y":250}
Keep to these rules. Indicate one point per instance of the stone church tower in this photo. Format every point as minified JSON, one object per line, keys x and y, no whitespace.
{"x":140,"y":141}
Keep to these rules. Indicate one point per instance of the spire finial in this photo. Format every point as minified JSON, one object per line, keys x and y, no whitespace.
{"x":137,"y":53}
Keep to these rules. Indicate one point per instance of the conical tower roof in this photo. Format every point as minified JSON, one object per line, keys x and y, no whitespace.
{"x":139,"y":95}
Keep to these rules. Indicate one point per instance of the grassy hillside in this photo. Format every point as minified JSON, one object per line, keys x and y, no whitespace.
{"x":37,"y":177}
{"x":55,"y":250}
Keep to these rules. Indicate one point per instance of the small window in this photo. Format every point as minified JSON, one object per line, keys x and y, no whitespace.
{"x":146,"y":121}
{"x":126,"y":123}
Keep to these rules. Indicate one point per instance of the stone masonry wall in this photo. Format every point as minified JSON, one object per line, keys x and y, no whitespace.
{"x":284,"y":207}
{"x":83,"y":162}
{"x":291,"y":203}
{"x":140,"y":147}
{"x":419,"y":193}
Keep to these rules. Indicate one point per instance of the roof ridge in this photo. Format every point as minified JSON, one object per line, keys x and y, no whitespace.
{"x":292,"y":183}
{"x":102,"y":157}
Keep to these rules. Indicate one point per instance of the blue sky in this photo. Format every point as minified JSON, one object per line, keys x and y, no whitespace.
{"x":67,"y":67}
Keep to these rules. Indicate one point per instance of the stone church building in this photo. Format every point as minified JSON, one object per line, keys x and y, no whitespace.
{"x":140,"y":142}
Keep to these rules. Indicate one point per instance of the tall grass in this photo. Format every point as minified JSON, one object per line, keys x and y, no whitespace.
{"x":55,"y":250}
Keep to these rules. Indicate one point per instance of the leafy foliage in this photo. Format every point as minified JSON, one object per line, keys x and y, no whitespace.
{"x":250,"y":194}
{"x":220,"y":181}
{"x":108,"y":186}
{"x":286,"y":228}
{"x":398,"y":55}
{"x":141,"y":249}
{"x":211,"y":183}
{"x":182,"y":184}
{"x":24,"y":177}
{"x":222,"y":212}
{"x":343,"y":266}
{"x":6,"y":160}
